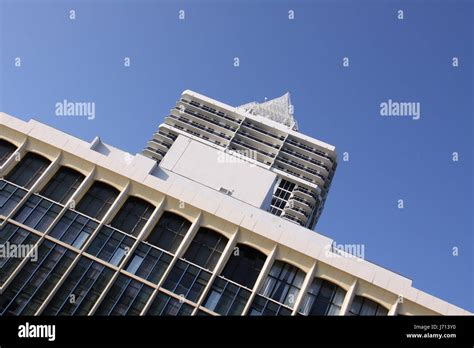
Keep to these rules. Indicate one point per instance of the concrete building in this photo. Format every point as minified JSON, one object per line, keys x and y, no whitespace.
{"x":189,"y":227}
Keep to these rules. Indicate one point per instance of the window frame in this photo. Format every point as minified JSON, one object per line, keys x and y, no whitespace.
{"x":365,"y":300}
{"x":134,"y":208}
{"x":5,"y":153}
{"x":196,"y":247}
{"x":59,"y":180}
{"x":243,"y":259}
{"x":162,"y":228}
{"x":314,"y":297}
{"x":273,"y":283}
{"x":93,"y":195}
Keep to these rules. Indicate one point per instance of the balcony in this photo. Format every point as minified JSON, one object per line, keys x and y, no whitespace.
{"x":309,"y":149}
{"x":212,"y":111}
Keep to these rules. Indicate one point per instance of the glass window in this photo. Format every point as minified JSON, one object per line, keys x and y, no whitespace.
{"x":262,"y":306}
{"x":36,"y":280}
{"x":169,"y":232}
{"x":133,"y":216}
{"x":134,"y":263}
{"x":244,"y":265}
{"x":280,"y":196}
{"x":74,"y":229}
{"x":24,"y":240}
{"x":62,"y":185}
{"x":110,"y":245}
{"x":187,"y":280}
{"x":126,"y":297}
{"x":28,"y":170}
{"x":6,"y":150}
{"x":323,"y":298}
{"x":97,"y":200}
{"x":149,"y":263}
{"x":167,"y":305}
{"x":80,"y":290}
{"x":283,"y":283}
{"x":363,"y":306}
{"x":206,"y":248}
{"x":37,"y":213}
{"x":10,"y":196}
{"x":226,"y":298}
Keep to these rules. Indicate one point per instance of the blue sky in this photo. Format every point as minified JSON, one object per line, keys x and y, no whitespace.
{"x":407,"y":60}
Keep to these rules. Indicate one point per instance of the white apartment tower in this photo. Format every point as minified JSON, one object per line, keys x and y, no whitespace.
{"x":282,"y":171}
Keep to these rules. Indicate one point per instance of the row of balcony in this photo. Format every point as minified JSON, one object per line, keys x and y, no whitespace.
{"x":213,"y":111}
{"x":309,"y":149}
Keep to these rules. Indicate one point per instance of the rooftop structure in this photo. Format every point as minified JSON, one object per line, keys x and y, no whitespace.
{"x":296,"y":170}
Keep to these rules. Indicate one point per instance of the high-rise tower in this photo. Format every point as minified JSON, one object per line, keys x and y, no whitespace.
{"x":295,"y":170}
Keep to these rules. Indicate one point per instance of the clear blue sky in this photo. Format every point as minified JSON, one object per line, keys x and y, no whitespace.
{"x":390,"y":158}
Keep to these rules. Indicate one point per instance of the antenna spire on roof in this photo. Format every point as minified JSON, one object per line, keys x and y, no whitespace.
{"x":279,"y":110}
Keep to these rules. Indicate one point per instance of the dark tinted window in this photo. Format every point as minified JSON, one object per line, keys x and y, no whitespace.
{"x":6,"y":150}
{"x":149,"y":263}
{"x":169,"y":232}
{"x":283,"y":283}
{"x":97,"y":200}
{"x":323,"y":298}
{"x":244,"y":265}
{"x":166,"y":305}
{"x":28,"y":170}
{"x":206,"y":248}
{"x":13,"y":235}
{"x":85,"y":284}
{"x":37,"y":213}
{"x":133,"y":216}
{"x":187,"y":280}
{"x":363,"y":306}
{"x":226,"y":298}
{"x":10,"y":196}
{"x":74,"y":229}
{"x":110,"y":245}
{"x":36,"y":280}
{"x":264,"y":306}
{"x":125,"y":297}
{"x":62,"y":185}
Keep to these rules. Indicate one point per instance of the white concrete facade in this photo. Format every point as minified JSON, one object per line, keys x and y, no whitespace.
{"x":216,"y":169}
